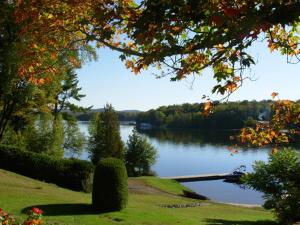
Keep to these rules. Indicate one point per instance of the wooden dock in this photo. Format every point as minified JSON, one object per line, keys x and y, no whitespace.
{"x":203,"y":177}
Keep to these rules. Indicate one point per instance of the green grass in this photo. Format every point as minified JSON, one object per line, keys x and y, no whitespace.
{"x":165,"y":185}
{"x":65,"y":207}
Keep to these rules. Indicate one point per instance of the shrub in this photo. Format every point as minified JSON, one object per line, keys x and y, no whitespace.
{"x":279,"y":180}
{"x":110,"y":189}
{"x":74,"y":174}
{"x":140,"y":155}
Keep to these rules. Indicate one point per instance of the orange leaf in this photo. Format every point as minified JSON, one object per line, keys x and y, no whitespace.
{"x":130,"y":44}
{"x":274,"y":94}
{"x":208,"y":106}
{"x":231,"y":86}
{"x":53,"y":55}
{"x":129,"y":64}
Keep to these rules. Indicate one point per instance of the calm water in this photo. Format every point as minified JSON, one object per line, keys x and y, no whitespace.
{"x":193,"y":152}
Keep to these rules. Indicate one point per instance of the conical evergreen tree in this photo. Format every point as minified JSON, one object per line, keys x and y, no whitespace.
{"x":105,"y":139}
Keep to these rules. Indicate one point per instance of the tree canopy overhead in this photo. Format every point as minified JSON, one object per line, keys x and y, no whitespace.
{"x":181,"y":37}
{"x":186,"y":36}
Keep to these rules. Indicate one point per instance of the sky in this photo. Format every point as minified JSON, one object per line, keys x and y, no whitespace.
{"x":108,"y":81}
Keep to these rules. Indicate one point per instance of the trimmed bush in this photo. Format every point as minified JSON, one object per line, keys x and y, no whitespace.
{"x":73,"y":174}
{"x":110,"y":190}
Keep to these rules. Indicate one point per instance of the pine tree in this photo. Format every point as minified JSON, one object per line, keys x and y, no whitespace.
{"x":105,"y":140}
{"x":140,"y":155}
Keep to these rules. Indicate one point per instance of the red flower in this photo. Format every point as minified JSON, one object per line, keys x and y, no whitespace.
{"x":37,"y":211}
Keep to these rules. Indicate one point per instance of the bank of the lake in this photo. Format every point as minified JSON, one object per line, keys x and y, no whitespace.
{"x":192,"y":152}
{"x":65,"y":207}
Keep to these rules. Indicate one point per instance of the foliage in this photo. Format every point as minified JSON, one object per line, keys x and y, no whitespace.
{"x":180,"y":37}
{"x":67,"y":91}
{"x":48,"y":135}
{"x":70,"y":173}
{"x":28,"y":63}
{"x":74,"y":139}
{"x":122,"y":115}
{"x":282,"y":128}
{"x":38,"y":135}
{"x":105,"y":140}
{"x":45,"y":38}
{"x":140,"y":155}
{"x":34,"y":218}
{"x":57,"y":134}
{"x":279,"y":180}
{"x":229,"y":115}
{"x":43,"y":135}
{"x":110,"y":191}
{"x":185,"y":37}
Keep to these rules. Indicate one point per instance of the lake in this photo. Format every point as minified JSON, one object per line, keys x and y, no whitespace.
{"x":193,"y":152}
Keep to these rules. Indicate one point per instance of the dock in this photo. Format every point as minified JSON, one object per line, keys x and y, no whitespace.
{"x":203,"y":177}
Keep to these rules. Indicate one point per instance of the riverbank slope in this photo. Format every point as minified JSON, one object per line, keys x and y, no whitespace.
{"x":159,"y":205}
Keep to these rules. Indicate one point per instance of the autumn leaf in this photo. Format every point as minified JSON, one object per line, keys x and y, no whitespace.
{"x":130,"y":44}
{"x":129,"y":64}
{"x":208,"y":106}
{"x":230,"y":12}
{"x":31,"y":69}
{"x":53,"y":55}
{"x":176,"y":29}
{"x":217,"y":20}
{"x":50,"y":16}
{"x":231,"y":86}
{"x":274,"y":94}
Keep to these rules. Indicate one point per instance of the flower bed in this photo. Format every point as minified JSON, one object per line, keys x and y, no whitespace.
{"x":34,"y":218}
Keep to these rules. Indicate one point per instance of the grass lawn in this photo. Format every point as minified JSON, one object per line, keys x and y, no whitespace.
{"x":65,"y":207}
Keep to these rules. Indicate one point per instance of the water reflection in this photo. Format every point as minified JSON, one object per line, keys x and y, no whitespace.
{"x":189,"y":152}
{"x":199,"y":137}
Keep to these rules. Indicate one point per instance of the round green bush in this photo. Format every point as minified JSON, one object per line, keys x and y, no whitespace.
{"x":110,"y":189}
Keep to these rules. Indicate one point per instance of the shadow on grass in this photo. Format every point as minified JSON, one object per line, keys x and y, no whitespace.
{"x":64,"y":209}
{"x":236,"y":222}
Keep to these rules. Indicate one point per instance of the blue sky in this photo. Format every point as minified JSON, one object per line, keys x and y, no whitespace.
{"x":108,"y":81}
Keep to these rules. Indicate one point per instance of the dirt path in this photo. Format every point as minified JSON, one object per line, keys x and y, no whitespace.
{"x":140,"y":187}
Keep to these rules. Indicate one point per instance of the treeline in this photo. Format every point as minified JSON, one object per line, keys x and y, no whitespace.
{"x":229,"y":115}
{"x":129,"y":115}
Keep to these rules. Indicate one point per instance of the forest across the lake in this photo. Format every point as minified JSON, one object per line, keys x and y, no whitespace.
{"x":226,"y":115}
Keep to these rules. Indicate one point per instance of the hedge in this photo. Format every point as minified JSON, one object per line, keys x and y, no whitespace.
{"x":110,"y":189}
{"x":73,"y":174}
